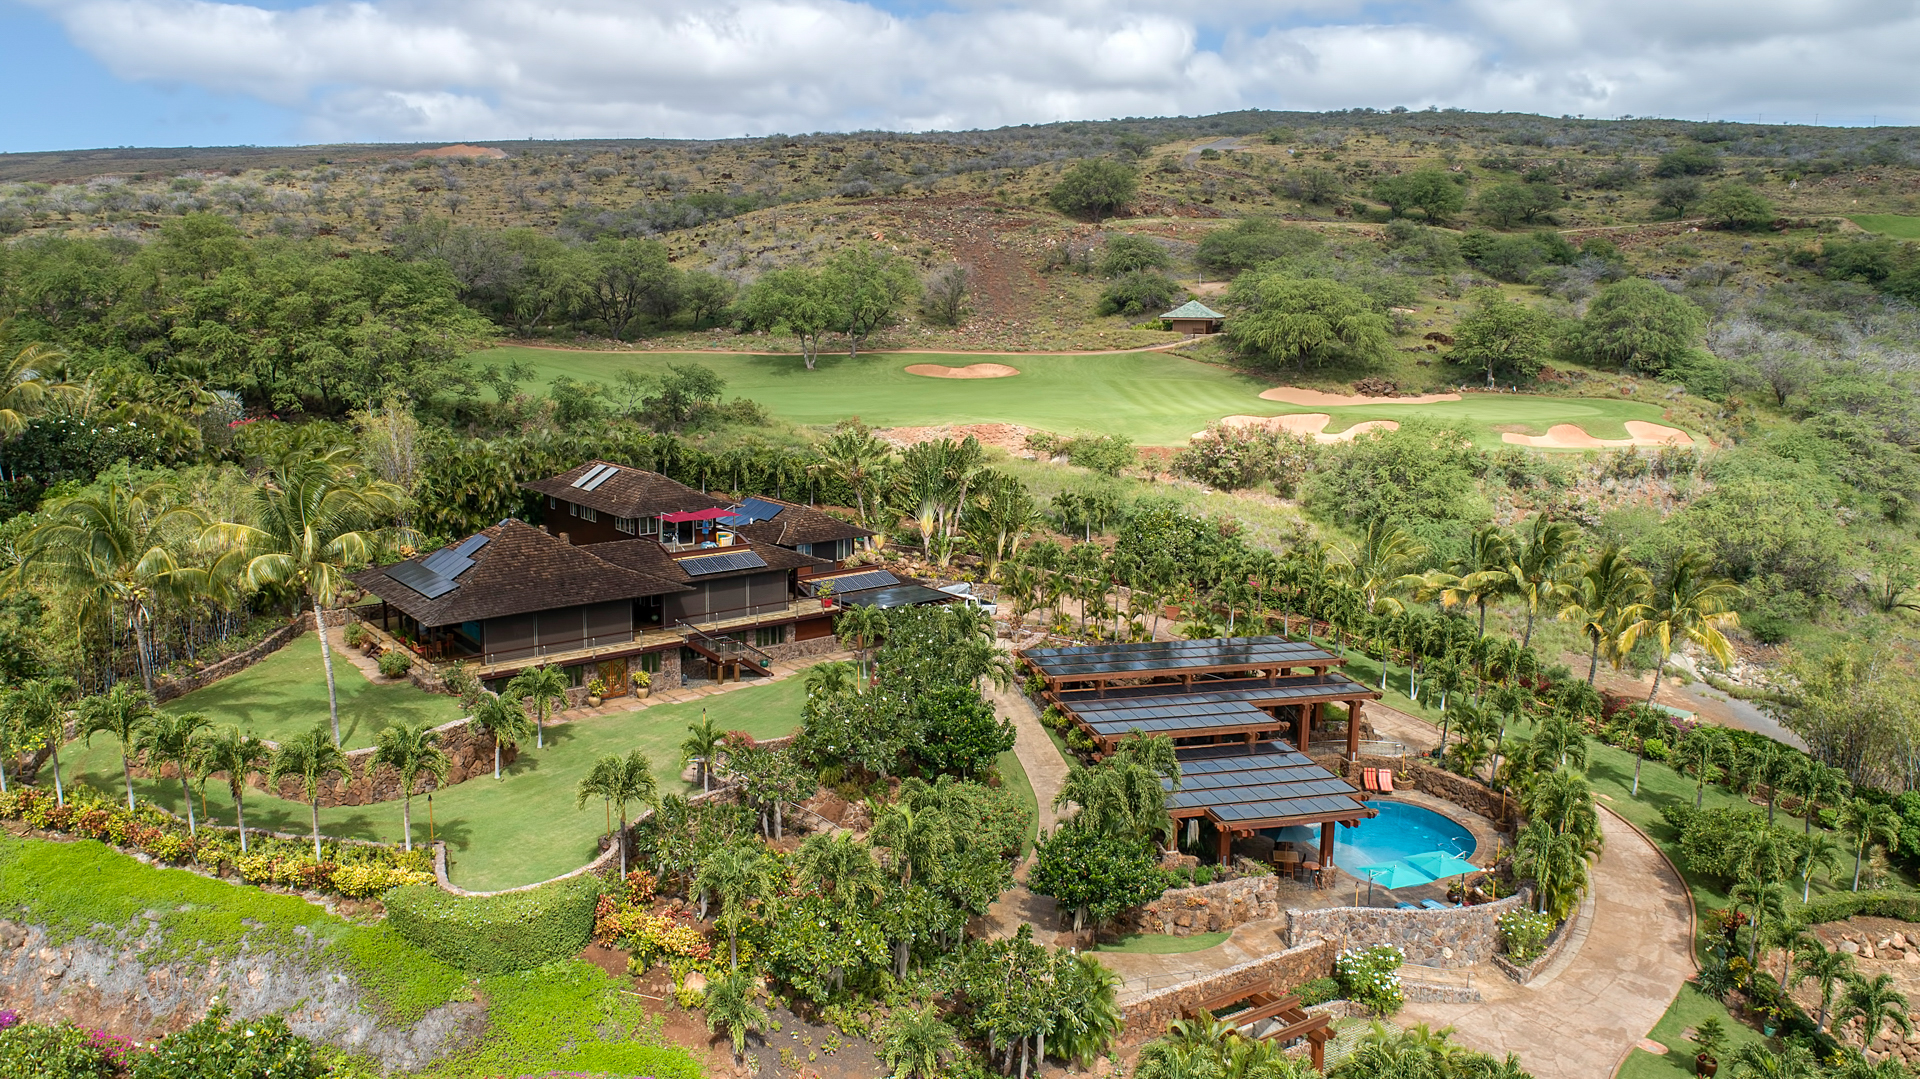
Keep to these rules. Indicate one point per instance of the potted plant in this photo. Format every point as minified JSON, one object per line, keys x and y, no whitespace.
{"x":596,"y":692}
{"x":1709,"y":1037}
{"x":642,"y":684}
{"x":354,"y":634}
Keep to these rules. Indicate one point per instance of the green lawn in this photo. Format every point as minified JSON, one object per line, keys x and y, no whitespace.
{"x":522,"y":829}
{"x":1014,"y":776}
{"x":1163,"y":943}
{"x":1899,"y":226}
{"x":1157,"y":399}
{"x":1689,"y":1009}
{"x":285,"y":694}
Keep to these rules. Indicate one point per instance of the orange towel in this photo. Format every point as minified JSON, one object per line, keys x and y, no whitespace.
{"x":1386,"y":780}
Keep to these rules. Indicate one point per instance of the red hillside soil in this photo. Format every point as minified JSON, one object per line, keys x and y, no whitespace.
{"x":461,"y":151}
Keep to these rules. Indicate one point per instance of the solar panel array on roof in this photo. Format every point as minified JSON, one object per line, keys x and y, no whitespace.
{"x":1095,"y":660}
{"x":890,"y":596}
{"x":1269,"y":785}
{"x":421,"y":579}
{"x":852,"y":582}
{"x":721,"y":563}
{"x":594,"y":483}
{"x":451,"y":562}
{"x":1152,"y":717}
{"x":759,"y":509}
{"x":1329,"y":686}
{"x":590,"y":475}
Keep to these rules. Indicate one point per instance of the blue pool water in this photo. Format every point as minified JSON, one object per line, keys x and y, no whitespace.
{"x":1399,"y":831}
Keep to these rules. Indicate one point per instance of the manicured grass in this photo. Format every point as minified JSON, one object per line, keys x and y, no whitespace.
{"x":1689,"y":1009}
{"x":1163,"y":943}
{"x":1014,"y":776}
{"x":1157,"y":399}
{"x":1899,"y":226}
{"x":524,"y":828}
{"x":285,"y":694}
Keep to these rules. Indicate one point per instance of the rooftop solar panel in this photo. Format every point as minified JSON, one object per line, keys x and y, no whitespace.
{"x":852,"y":582}
{"x":472,"y":544}
{"x":1232,"y":785}
{"x":421,"y":579}
{"x":1096,"y":660}
{"x":722,"y":563}
{"x":594,"y":483}
{"x":589,"y":475}
{"x":759,"y":509}
{"x":891,"y":596}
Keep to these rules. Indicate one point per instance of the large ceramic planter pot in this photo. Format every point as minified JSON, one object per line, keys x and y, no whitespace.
{"x":593,"y":702}
{"x":642,"y":692}
{"x":1705,"y":1065}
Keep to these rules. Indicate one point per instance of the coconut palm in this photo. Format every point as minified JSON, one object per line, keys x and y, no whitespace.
{"x":39,"y":709}
{"x":227,"y":750}
{"x":123,"y":712}
{"x":1813,"y":782}
{"x":733,"y":1008}
{"x":114,"y":554}
{"x":1535,"y":556}
{"x":543,"y":687}
{"x":503,"y":719}
{"x":27,"y":383}
{"x":168,"y":738}
{"x":621,"y":781}
{"x":1866,"y":823}
{"x":737,"y":874}
{"x":913,"y":1041}
{"x":310,"y":758}
{"x":1825,"y":967}
{"x":1381,"y":563}
{"x":1874,"y":1003}
{"x":1606,"y":588}
{"x":1479,"y":575}
{"x":701,"y":747}
{"x":1816,"y":851}
{"x":860,"y":628}
{"x":319,"y":520}
{"x":1557,"y":864}
{"x":1687,"y":605}
{"x":1641,"y":724}
{"x":411,"y":749}
{"x":840,"y":865}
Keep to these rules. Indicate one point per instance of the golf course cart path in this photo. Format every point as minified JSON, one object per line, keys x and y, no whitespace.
{"x":1634,"y":960}
{"x":1046,"y":770}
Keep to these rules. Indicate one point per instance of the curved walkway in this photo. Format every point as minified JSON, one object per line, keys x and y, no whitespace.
{"x":1581,"y":1023}
{"x":509,"y":342}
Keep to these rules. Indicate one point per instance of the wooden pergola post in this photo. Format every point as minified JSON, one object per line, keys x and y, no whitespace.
{"x":1226,"y":844}
{"x":1353,"y":729}
{"x":1326,"y":848}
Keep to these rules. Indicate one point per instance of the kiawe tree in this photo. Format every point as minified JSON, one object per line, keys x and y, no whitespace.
{"x":801,"y":301}
{"x":1432,"y":191}
{"x":869,"y":287}
{"x":1300,"y":321}
{"x":1095,"y":188}
{"x":1502,"y":337}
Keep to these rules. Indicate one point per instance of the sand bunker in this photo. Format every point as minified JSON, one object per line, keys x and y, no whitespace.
{"x":1567,"y":436}
{"x":1307,"y":424}
{"x":1294,"y":395}
{"x":972,"y":370}
{"x":462,"y":150}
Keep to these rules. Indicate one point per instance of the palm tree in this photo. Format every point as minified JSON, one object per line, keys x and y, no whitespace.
{"x":1763,"y":764}
{"x":915,"y":836}
{"x":318,"y":515}
{"x":26,"y":383}
{"x":1766,"y":900}
{"x":1642,"y":724}
{"x":1607,"y":587}
{"x":1813,"y":782}
{"x":1557,"y":742}
{"x":840,"y":865}
{"x":737,"y":874}
{"x":830,"y":679}
{"x":544,"y":687}
{"x":113,"y":553}
{"x":227,"y":750}
{"x":1556,"y":862}
{"x":1563,"y":801}
{"x":859,"y":628}
{"x":311,"y":757}
{"x":1090,"y":1027}
{"x":1866,"y":823}
{"x":1704,"y":750}
{"x":1479,"y":575}
{"x":733,"y":1007}
{"x":702,"y":746}
{"x":410,"y":749}
{"x":1826,"y":968}
{"x":1688,"y":605}
{"x":1874,"y":1003}
{"x":1816,"y":851}
{"x":855,"y":457}
{"x":39,"y":709}
{"x":123,"y":712}
{"x":503,"y":719}
{"x":912,"y":1042}
{"x":1535,"y":557}
{"x":169,"y":738}
{"x":622,"y":781}
{"x":1382,"y":562}
{"x":1120,"y":798}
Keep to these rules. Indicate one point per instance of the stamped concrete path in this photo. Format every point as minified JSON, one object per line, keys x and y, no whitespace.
{"x":1582,"y":1021}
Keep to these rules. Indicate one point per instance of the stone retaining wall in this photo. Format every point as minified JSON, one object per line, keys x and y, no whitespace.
{"x":1455,"y":937}
{"x":1209,"y":908}
{"x":167,"y":689}
{"x":1148,"y":1016}
{"x":1410,"y":774}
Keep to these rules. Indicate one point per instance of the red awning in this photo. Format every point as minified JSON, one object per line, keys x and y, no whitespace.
{"x":696,"y":515}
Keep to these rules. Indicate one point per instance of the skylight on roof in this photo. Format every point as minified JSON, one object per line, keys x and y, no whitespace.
{"x":590,"y":475}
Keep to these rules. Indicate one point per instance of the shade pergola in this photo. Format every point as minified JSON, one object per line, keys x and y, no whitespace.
{"x":1245,"y":710}
{"x":1241,"y":791}
{"x":1101,"y":665}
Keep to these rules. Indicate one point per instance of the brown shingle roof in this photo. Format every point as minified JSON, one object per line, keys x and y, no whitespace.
{"x":629,"y":492}
{"x":520,"y":569}
{"x":797,"y":524}
{"x":647,"y":557}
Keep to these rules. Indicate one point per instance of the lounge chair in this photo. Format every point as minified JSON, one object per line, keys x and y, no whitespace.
{"x":1369,"y":779}
{"x":1405,"y":906}
{"x":1435,"y":904}
{"x":1385,"y":779}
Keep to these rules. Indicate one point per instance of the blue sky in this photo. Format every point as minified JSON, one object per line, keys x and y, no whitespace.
{"x":85,"y":73}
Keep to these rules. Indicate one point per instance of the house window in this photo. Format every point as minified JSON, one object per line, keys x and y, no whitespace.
{"x":587,"y":514}
{"x":768,"y":636}
{"x":552,"y":503}
{"x":573,"y":509}
{"x":649,"y":662}
{"x":649,"y":526}
{"x":623,"y":524}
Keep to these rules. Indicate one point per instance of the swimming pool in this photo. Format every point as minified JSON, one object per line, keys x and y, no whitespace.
{"x":1399,"y":831}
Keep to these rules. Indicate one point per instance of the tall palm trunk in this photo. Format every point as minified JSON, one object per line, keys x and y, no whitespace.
{"x":496,"y":758}
{"x":139,"y":621}
{"x":314,"y":807}
{"x":406,"y":817}
{"x":1593,"y":658}
{"x":326,"y":660}
{"x":1657,"y":672}
{"x":59,"y":792}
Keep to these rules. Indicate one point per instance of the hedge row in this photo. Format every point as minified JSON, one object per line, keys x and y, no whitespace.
{"x":502,"y":933}
{"x":1839,"y":906}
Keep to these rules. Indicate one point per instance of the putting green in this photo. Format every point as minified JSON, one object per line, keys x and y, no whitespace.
{"x":1154,"y":398}
{"x":1899,"y":226}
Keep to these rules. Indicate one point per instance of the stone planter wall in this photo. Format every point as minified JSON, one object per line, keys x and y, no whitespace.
{"x":793,"y":649}
{"x":1209,"y":908}
{"x":1456,"y":937}
{"x":1556,"y":943}
{"x":167,"y":689}
{"x":1148,"y":1016}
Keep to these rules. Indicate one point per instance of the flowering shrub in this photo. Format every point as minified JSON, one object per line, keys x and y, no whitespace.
{"x":1525,"y":934}
{"x":257,"y":1049}
{"x":1370,"y":977}
{"x":650,"y":937}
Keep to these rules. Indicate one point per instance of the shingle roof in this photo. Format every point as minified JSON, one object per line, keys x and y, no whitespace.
{"x":1193,"y":309}
{"x":797,"y":524}
{"x":519,"y":569}
{"x":648,"y":557}
{"x":626,"y":492}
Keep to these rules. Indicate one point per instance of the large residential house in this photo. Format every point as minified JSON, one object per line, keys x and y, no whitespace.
{"x":629,"y":570}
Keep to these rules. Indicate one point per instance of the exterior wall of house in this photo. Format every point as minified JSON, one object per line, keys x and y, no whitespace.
{"x":558,"y":517}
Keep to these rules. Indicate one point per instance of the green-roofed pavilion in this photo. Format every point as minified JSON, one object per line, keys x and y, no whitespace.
{"x":1194,"y":317}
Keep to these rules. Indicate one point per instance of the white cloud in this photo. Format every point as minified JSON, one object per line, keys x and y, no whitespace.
{"x":501,"y":68}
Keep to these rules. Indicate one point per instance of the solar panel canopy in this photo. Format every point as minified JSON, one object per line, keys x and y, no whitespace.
{"x":852,"y":582}
{"x":1124,"y":659}
{"x":722,"y":563}
{"x":1271,"y":784}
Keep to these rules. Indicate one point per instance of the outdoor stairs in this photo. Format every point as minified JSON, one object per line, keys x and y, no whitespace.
{"x":726,"y":652}
{"x":1437,"y":984}
{"x":1258,"y":1011}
